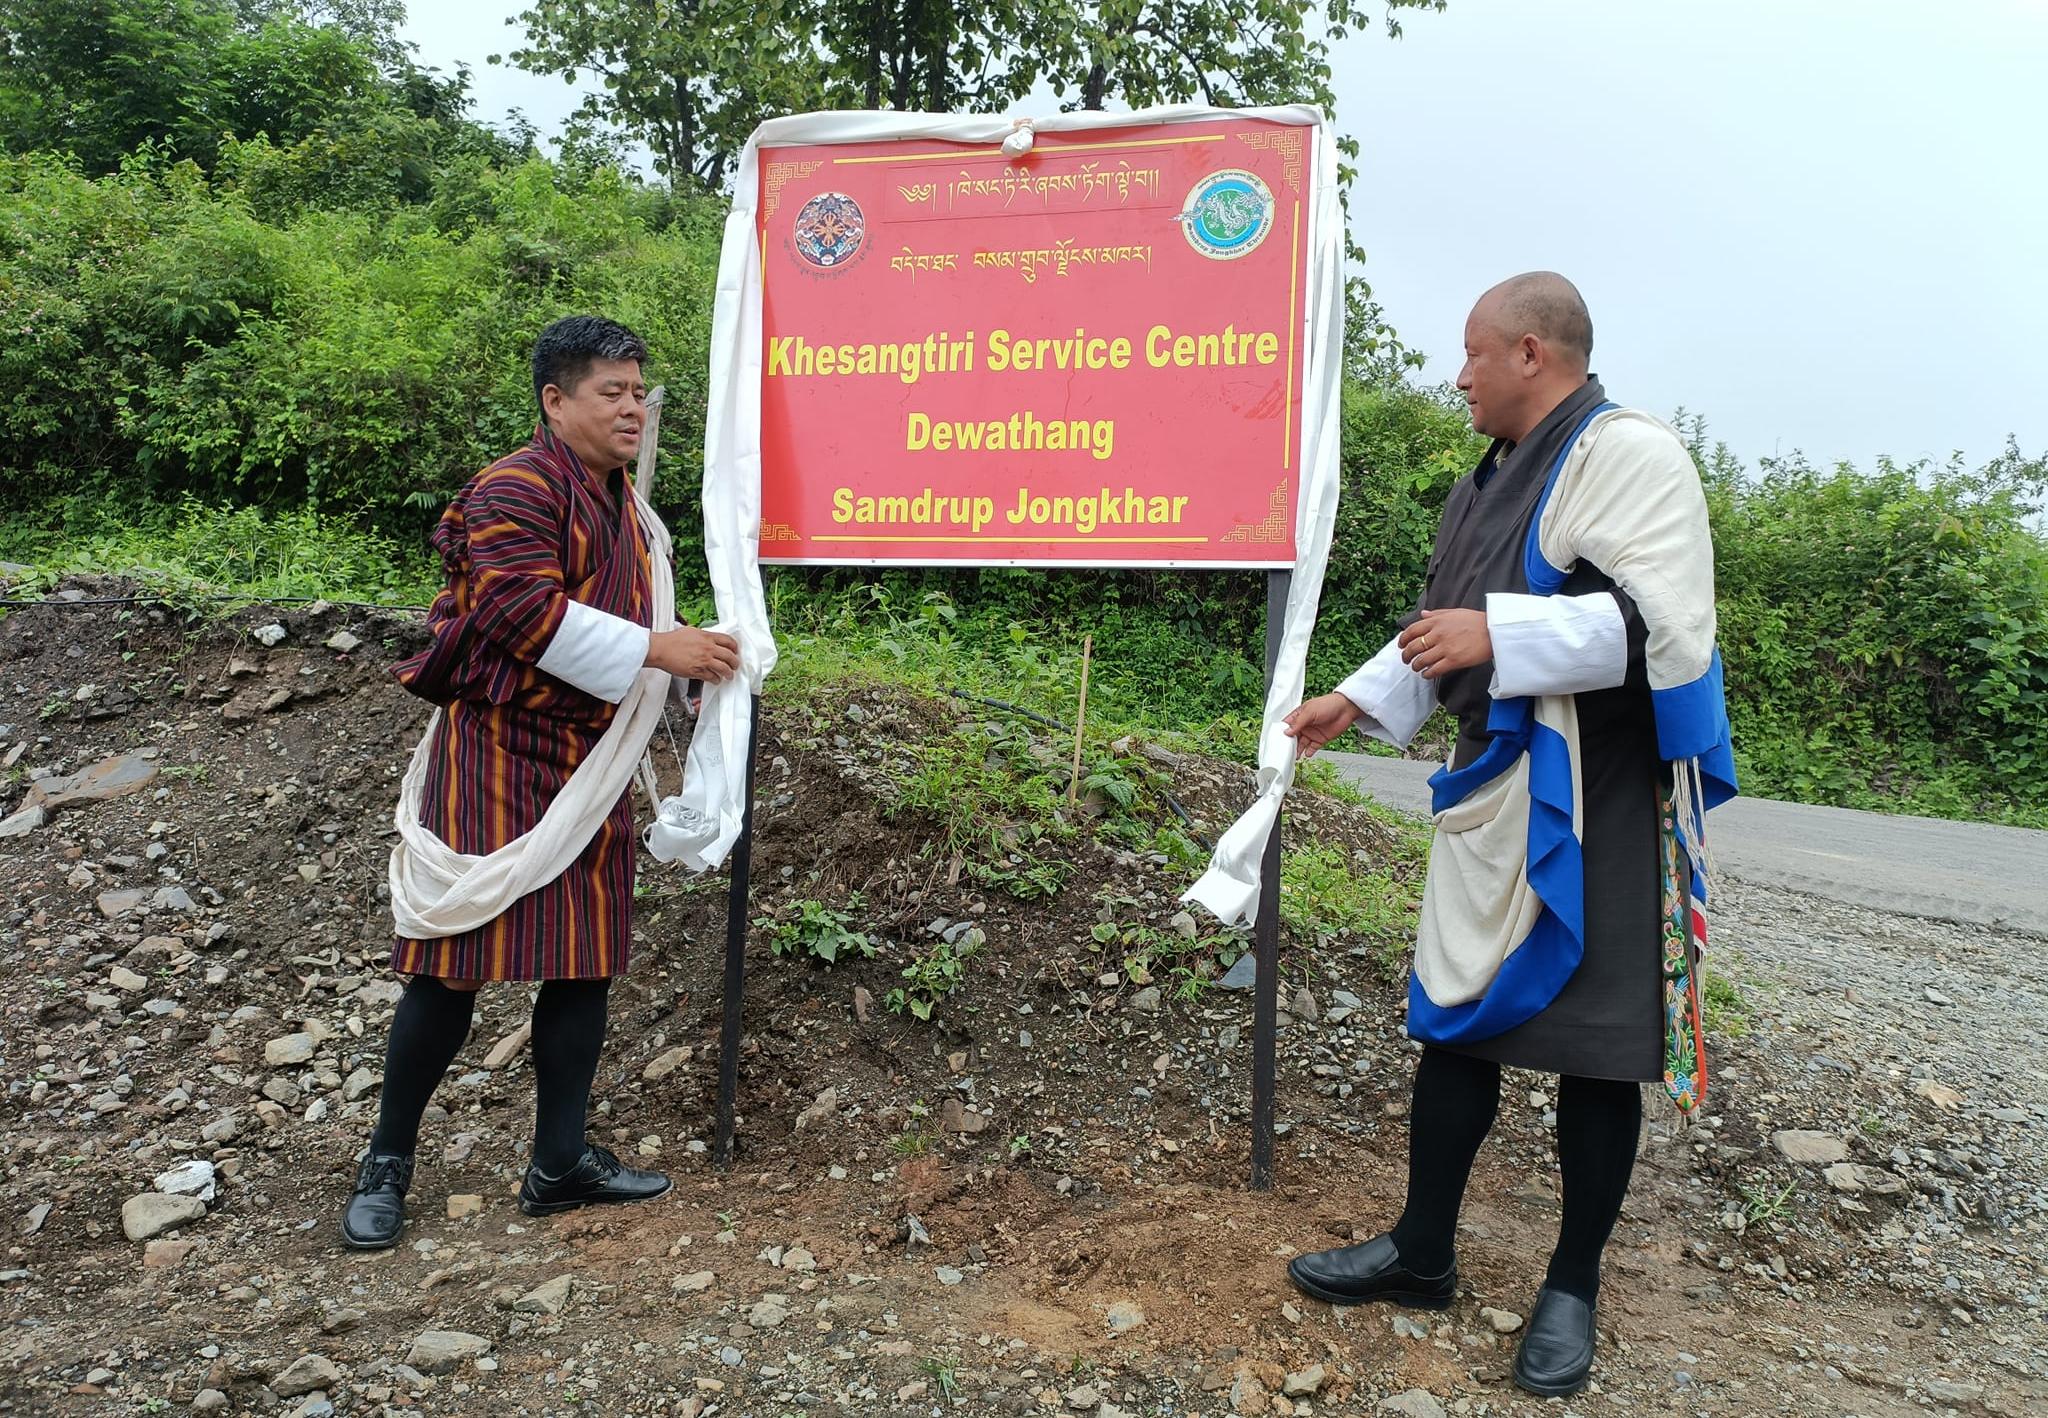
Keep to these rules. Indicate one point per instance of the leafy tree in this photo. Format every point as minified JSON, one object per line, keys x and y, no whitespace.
{"x":326,"y":84}
{"x":288,"y":79}
{"x":690,"y":78}
{"x":936,"y":56}
{"x":97,"y":78}
{"x":1227,"y":53}
{"x":1237,"y":53}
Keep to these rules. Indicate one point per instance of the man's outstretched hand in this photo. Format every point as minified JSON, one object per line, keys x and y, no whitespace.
{"x":1318,"y":721}
{"x":690,"y":653}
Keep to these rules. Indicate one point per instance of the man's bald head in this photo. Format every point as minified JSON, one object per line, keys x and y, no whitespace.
{"x":1527,"y":344}
{"x":1543,"y":304}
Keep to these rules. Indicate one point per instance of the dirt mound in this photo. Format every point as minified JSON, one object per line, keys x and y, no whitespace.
{"x":1032,"y":1200}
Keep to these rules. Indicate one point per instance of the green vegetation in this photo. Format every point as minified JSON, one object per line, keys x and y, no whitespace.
{"x":1887,"y":633}
{"x":941,"y":1375}
{"x":930,"y":977}
{"x":810,"y":929}
{"x":1184,"y":965}
{"x":268,"y":291}
{"x":913,"y":1141}
{"x":325,"y":83}
{"x":693,"y":87}
{"x":1761,"y":1204}
{"x":995,"y":790}
{"x":185,"y":550}
{"x":168,"y":338}
{"x":1325,"y":893}
{"x":1723,"y":1008}
{"x":988,"y":794}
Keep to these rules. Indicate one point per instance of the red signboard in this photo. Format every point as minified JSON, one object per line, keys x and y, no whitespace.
{"x":1090,"y":355}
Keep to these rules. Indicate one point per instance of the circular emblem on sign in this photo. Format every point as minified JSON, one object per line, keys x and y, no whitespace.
{"x":1227,"y":214}
{"x":829,"y":230}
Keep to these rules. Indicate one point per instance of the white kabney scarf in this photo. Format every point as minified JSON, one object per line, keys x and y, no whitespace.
{"x":437,"y":891}
{"x":1229,"y":889}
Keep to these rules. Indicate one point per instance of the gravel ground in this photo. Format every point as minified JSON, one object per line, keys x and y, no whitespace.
{"x":1033,"y":1204}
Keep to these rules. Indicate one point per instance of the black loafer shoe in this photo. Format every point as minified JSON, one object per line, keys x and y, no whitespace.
{"x":1557,"y":1351}
{"x":1352,"y":1275}
{"x":376,"y":1211}
{"x":599,"y":1177}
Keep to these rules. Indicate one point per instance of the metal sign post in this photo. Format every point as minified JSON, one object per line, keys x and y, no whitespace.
{"x":735,"y":961}
{"x":1266,"y":934}
{"x":742,"y":860}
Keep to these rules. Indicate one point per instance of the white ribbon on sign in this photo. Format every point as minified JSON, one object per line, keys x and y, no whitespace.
{"x":699,"y":826}
{"x":1229,"y":889}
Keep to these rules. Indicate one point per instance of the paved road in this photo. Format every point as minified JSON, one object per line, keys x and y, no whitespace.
{"x":1968,"y":872}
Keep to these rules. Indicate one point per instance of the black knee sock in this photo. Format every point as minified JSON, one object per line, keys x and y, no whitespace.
{"x":568,"y":1033}
{"x":1456,"y":1098}
{"x":426,"y":1033}
{"x":1597,"y":1122}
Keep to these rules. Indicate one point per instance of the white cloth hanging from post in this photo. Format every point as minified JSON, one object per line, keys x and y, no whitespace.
{"x":699,"y":825}
{"x":1229,"y":889}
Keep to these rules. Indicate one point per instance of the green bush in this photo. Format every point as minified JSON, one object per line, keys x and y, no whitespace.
{"x":268,"y":374}
{"x":191,"y":552}
{"x":189,"y":79}
{"x":810,"y":929}
{"x":169,"y":341}
{"x":1886,"y":634}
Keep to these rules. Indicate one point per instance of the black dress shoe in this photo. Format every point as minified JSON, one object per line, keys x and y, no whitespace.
{"x":1557,"y":1351}
{"x":376,"y":1212}
{"x":1352,"y":1275}
{"x":599,"y":1177}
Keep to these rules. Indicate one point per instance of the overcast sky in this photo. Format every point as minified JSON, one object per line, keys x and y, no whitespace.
{"x":1821,"y":223}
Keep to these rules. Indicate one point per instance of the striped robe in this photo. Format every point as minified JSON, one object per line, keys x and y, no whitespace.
{"x":531,"y":531}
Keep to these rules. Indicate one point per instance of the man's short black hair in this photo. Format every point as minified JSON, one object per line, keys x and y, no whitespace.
{"x":562,"y":354}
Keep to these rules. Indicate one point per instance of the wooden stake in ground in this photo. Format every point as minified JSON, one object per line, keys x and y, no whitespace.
{"x":1080,"y":718}
{"x":650,"y":433}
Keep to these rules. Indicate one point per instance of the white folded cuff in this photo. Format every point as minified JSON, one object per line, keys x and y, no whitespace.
{"x":1556,"y":644}
{"x":1393,"y":698}
{"x":598,"y":652}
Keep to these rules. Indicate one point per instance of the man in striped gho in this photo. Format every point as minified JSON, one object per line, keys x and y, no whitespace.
{"x":543,"y":629}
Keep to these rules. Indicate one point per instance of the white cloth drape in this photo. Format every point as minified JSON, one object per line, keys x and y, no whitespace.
{"x":437,"y":891}
{"x":699,"y":825}
{"x":1629,"y":500}
{"x":1230,"y":887}
{"x":1394,"y":700}
{"x":1555,"y":644}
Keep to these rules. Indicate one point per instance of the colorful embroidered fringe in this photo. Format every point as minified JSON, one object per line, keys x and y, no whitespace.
{"x":1684,"y":943}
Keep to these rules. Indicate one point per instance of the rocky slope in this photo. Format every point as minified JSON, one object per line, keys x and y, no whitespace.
{"x":1033,"y":1202}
